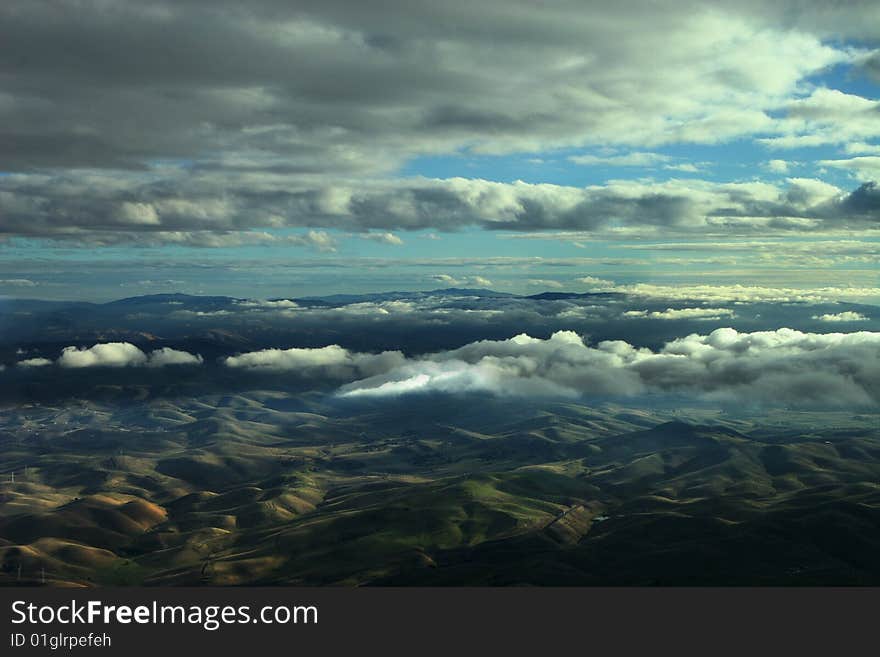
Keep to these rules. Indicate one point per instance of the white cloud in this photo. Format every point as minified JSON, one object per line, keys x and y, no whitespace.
{"x":858,"y":147}
{"x":744,"y":293}
{"x":777,"y":166}
{"x":826,"y":116}
{"x":18,"y":282}
{"x":277,"y":304}
{"x":376,"y":308}
{"x":383,"y":238}
{"x":545,"y":283}
{"x":167,"y":356}
{"x":686,"y":167}
{"x":776,"y":367}
{"x":635,"y":159}
{"x":317,"y":239}
{"x":110,"y":354}
{"x":593,"y":281}
{"x":683,"y":313}
{"x":139,"y":213}
{"x":330,"y":362}
{"x":846,"y":316}
{"x":200,"y":313}
{"x":459,"y":281}
{"x":34,"y":362}
{"x":866,"y":167}
{"x":123,"y":354}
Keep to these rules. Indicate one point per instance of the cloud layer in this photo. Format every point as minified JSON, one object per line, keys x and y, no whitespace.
{"x":206,"y":124}
{"x":782,"y":367}
{"x":221,"y":210}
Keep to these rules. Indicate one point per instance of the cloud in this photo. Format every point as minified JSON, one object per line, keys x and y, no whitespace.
{"x":323,"y":87}
{"x":317,"y":239}
{"x":846,"y":316}
{"x":853,"y":148}
{"x":370,"y":308}
{"x":34,"y":362}
{"x":686,"y":167}
{"x":458,"y":281}
{"x":383,"y":238}
{"x":276,"y":304}
{"x":635,"y":159}
{"x":777,"y":367}
{"x":826,"y":116}
{"x":865,"y":167}
{"x":39,"y":205}
{"x":123,"y":354}
{"x":178,"y":123}
{"x":325,"y":362}
{"x":777,"y":166}
{"x":683,"y":313}
{"x":593,"y":281}
{"x":739,"y":293}
{"x":17,"y":282}
{"x":544,"y":283}
{"x":167,"y":356}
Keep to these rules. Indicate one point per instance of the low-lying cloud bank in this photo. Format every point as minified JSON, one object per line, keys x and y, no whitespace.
{"x":115,"y":354}
{"x":740,"y":293}
{"x":784,"y":367}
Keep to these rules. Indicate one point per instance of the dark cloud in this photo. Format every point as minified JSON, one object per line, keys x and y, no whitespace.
{"x":220,"y":209}
{"x":864,"y":203}
{"x":151,"y":120}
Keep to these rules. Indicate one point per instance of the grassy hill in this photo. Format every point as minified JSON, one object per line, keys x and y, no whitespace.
{"x":251,"y":489}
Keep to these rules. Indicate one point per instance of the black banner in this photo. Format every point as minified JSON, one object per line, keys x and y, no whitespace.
{"x":449,"y":621}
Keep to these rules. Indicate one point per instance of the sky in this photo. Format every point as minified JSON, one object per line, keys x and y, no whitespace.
{"x":270,"y":148}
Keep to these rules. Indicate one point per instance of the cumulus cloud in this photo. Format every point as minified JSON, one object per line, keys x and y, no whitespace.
{"x":779,"y":367}
{"x":826,"y":116}
{"x":34,"y":362}
{"x":123,"y":354}
{"x":326,"y":362}
{"x":683,"y":313}
{"x":777,"y":166}
{"x":846,"y":316}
